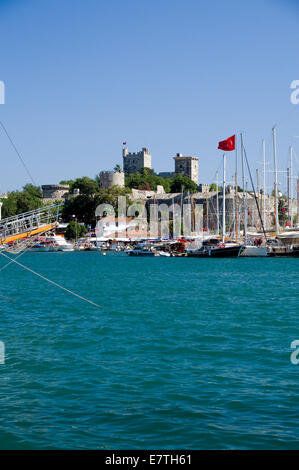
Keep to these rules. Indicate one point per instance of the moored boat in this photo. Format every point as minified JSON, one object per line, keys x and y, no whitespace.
{"x":249,"y":251}
{"x":284,"y":251}
{"x":143,"y":249}
{"x":51,"y":243}
{"x":223,"y":250}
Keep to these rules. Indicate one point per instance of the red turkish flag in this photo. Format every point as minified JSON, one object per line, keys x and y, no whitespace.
{"x":124,"y":143}
{"x":228,"y":144}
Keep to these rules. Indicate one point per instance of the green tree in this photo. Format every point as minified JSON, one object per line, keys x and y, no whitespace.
{"x":17,"y":202}
{"x":75,"y":230}
{"x":181,"y":183}
{"x":117,"y":168}
{"x":110,"y":196}
{"x":86,"y":185}
{"x":147,"y":178}
{"x":282,"y":210}
{"x":69,"y":182}
{"x":97,"y":179}
{"x":83,"y":207}
{"x":213,"y":187}
{"x":34,"y":191}
{"x":10,"y":205}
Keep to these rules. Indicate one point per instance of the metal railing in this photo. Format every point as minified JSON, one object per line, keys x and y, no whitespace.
{"x":29,"y":221}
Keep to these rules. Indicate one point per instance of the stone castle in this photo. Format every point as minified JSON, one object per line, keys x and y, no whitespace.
{"x":186,"y":166}
{"x":112,"y":178}
{"x":136,"y":161}
{"x":133,"y":162}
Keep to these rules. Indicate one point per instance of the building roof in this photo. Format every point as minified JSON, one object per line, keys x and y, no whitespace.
{"x":111,"y":218}
{"x":179,"y":156}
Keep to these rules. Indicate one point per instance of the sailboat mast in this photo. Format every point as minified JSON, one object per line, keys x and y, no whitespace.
{"x":236,"y":196}
{"x":275,"y":181}
{"x":223,"y":199}
{"x":207,"y":209}
{"x":291,"y":185}
{"x":264,"y":183}
{"x":217,"y":203}
{"x":234,"y":210}
{"x":258,"y":187}
{"x":243,"y":184}
{"x":245,"y":215}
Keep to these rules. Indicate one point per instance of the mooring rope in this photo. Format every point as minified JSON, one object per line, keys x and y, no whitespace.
{"x":52,"y":282}
{"x":17,"y":152}
{"x":19,"y":255}
{"x":6,"y":298}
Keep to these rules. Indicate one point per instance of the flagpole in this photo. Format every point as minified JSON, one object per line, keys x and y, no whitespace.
{"x":291,"y":185}
{"x":223,"y":203}
{"x":275,"y":182}
{"x":237,"y":234}
{"x":264,"y":183}
{"x":217,"y":203}
{"x":245,"y":213}
{"x":243,"y":184}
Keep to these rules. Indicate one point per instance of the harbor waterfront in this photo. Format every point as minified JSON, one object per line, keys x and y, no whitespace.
{"x":186,"y":353}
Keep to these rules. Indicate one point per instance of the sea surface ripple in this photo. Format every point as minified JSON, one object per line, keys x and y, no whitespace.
{"x":185,"y":354}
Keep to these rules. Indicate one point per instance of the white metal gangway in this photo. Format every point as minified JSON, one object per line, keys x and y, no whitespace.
{"x":29,"y":223}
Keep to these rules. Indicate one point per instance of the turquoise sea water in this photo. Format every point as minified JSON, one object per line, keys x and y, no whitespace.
{"x":186,"y":353}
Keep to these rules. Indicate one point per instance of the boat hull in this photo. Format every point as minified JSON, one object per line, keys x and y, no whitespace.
{"x":39,"y":249}
{"x":253,"y":251}
{"x":284,"y":252}
{"x":141,"y":253}
{"x":210,"y":252}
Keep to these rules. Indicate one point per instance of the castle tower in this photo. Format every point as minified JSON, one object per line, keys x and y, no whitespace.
{"x":186,"y":166}
{"x":136,"y":161}
{"x":112,"y":178}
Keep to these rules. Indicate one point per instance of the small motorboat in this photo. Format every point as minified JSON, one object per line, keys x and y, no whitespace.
{"x":143,"y":249}
{"x":253,"y":251}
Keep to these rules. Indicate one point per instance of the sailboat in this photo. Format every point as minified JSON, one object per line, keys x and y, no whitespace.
{"x":213,"y":248}
{"x":249,"y":250}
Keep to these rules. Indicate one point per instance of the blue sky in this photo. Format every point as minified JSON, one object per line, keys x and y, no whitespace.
{"x":176,"y":76}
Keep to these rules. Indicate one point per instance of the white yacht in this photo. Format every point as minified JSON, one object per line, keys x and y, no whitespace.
{"x":51,"y":243}
{"x":253,"y":251}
